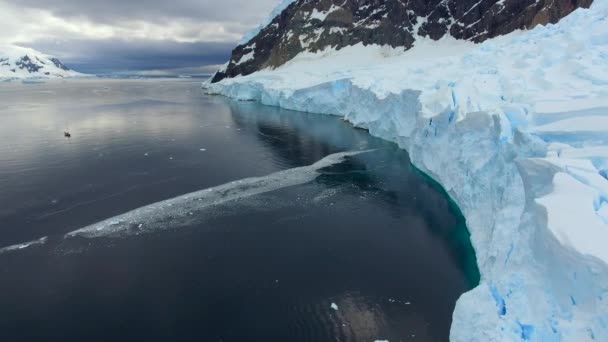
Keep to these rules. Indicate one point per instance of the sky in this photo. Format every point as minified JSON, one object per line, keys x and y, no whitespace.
{"x":132,"y":36}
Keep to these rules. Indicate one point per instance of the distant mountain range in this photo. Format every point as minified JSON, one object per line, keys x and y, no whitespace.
{"x":23,"y":63}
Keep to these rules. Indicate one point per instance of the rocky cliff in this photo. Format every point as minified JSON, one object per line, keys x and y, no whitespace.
{"x":313,"y":25}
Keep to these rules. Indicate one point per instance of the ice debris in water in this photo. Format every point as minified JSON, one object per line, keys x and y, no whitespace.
{"x":22,"y":246}
{"x":179,"y":211}
{"x":334,"y":306}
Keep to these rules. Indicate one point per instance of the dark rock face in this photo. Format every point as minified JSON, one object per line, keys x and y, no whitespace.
{"x":58,"y":63}
{"x":27,"y":63}
{"x":33,"y":64}
{"x":312,"y":25}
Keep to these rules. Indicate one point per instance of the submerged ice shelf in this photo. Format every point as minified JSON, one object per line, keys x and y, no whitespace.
{"x":515,"y":129}
{"x":180,"y":211}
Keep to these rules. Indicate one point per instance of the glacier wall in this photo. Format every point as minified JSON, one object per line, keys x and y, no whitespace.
{"x":532,"y":288}
{"x":515,"y":130}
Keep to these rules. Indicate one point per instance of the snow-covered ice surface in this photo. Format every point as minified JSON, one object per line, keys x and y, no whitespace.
{"x":516,"y":130}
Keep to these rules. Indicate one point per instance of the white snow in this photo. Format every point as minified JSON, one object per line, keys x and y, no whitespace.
{"x":516,"y":131}
{"x":22,"y":246}
{"x":275,"y":12}
{"x":339,"y":30}
{"x":246,"y":57}
{"x":315,"y":14}
{"x":575,"y":214}
{"x":11,"y":54}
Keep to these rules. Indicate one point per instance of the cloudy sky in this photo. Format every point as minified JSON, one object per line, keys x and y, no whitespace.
{"x":114,"y":36}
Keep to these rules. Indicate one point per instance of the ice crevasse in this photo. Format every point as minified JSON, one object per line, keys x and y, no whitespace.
{"x":516,"y":131}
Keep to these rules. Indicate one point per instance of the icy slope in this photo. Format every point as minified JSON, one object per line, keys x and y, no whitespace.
{"x":516,"y":130}
{"x":21,"y":63}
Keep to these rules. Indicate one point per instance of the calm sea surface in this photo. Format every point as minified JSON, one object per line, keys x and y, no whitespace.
{"x":361,"y":248}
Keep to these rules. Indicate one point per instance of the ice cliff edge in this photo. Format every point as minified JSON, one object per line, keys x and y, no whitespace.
{"x":516,"y":130}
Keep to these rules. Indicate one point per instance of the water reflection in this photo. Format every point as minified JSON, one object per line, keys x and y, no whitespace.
{"x":369,"y":234}
{"x":301,"y":138}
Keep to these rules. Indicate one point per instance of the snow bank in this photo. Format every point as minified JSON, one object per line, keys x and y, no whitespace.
{"x":516,"y":131}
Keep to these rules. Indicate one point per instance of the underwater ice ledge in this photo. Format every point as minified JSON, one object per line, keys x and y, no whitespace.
{"x":532,"y":287}
{"x":183,"y":210}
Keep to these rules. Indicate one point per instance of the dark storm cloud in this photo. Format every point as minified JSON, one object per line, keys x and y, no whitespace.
{"x":115,"y":56}
{"x":103,"y":36}
{"x":246,"y":12}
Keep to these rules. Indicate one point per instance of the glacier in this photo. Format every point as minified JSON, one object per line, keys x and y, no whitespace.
{"x":516,"y":131}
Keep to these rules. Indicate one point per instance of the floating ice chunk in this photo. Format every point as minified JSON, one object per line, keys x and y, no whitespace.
{"x":22,"y":246}
{"x":334,"y":306}
{"x":275,"y":12}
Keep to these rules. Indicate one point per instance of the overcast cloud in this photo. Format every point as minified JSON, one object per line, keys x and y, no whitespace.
{"x":176,"y":36}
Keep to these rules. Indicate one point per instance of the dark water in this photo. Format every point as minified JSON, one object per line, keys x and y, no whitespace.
{"x":368,"y":234}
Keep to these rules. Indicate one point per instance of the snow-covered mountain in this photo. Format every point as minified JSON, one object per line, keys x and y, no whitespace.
{"x":311,"y":26}
{"x":21,"y":63}
{"x":515,"y":128}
